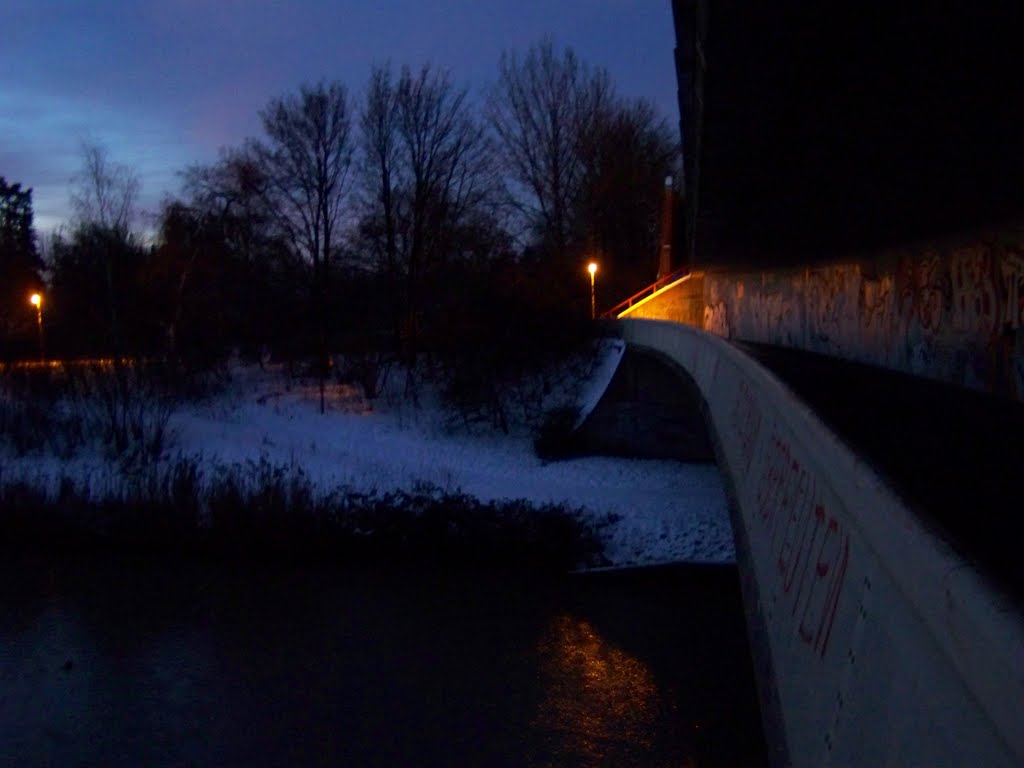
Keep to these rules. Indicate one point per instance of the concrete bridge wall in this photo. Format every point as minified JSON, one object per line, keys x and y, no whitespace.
{"x":874,"y":642}
{"x":952,"y":310}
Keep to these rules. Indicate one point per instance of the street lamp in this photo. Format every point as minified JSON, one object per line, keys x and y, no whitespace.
{"x":592,"y":269}
{"x":37,"y":301}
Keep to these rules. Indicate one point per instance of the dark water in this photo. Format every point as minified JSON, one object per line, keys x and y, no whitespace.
{"x":172,"y":664}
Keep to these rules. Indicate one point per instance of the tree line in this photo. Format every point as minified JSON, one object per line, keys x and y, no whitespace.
{"x":406,"y":223}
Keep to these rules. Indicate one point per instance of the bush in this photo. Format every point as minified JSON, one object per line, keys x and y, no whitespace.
{"x":499,"y":327}
{"x":124,"y":407}
{"x":259,"y":510}
{"x":36,"y":411}
{"x":557,"y":438}
{"x":127,"y":405}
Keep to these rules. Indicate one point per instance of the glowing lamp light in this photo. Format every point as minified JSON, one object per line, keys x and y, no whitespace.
{"x":36,"y":300}
{"x":592,"y":269}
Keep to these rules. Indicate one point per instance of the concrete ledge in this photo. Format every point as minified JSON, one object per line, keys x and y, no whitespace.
{"x":887,"y":647}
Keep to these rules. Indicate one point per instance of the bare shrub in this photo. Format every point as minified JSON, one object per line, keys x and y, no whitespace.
{"x":367,"y":369}
{"x":36,"y":414}
{"x":127,"y":406}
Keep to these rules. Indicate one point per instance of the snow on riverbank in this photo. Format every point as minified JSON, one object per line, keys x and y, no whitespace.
{"x":600,"y":376}
{"x":647,"y":511}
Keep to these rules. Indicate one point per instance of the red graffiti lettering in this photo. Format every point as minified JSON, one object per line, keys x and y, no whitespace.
{"x":816,"y":527}
{"x":809,"y":547}
{"x":823,"y":595}
{"x":793,"y":551}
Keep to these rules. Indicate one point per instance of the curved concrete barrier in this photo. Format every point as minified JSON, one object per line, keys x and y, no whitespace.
{"x":875,"y":643}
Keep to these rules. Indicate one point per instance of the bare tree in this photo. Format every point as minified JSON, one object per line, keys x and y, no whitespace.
{"x":626,"y":158}
{"x":106,"y":191}
{"x":370,"y":350}
{"x":380,"y":167}
{"x":427,"y":176}
{"x":541,"y":109}
{"x":220,"y":257}
{"x":104,"y":203}
{"x":446,"y":157}
{"x":307,"y":159}
{"x":235,"y":192}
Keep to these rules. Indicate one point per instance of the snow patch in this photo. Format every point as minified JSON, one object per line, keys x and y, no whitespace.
{"x":608,"y":359}
{"x":646,"y":511}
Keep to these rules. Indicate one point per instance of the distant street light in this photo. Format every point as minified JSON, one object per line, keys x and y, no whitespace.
{"x":592,"y":269}
{"x":37,"y":301}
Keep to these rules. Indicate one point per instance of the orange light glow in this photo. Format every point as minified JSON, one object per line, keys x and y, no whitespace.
{"x":597,"y":696}
{"x":36,"y":300}
{"x":592,"y":268}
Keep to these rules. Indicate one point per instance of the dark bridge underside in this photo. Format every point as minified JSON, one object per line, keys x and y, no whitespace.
{"x":651,"y":409}
{"x":954,"y":456}
{"x":815,"y":128}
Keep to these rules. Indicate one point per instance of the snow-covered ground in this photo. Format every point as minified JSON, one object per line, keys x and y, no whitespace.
{"x":646,"y":511}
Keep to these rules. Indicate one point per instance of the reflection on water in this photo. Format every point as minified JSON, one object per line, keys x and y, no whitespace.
{"x":364,"y":666}
{"x":596,"y":697}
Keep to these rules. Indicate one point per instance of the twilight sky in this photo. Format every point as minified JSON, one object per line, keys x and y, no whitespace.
{"x":166,"y":83}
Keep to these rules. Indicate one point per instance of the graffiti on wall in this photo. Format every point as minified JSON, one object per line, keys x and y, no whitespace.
{"x":921,"y":292}
{"x":830,"y":299}
{"x":772,"y":311}
{"x":716,"y":318}
{"x":808,"y":546}
{"x":877,"y":301}
{"x":953,"y":313}
{"x":974,"y":309}
{"x":1012,"y":273}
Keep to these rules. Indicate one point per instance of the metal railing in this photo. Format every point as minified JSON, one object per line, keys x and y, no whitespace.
{"x":642,"y":294}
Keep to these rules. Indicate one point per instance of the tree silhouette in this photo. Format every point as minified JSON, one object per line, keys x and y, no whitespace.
{"x":106,"y":191}
{"x":585,"y":168}
{"x":306,"y":159}
{"x":626,"y":158}
{"x":20,"y":264}
{"x":97,"y":307}
{"x":428,"y":191}
{"x":542,"y":108}
{"x":264,"y":286}
{"x":104,"y":204}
